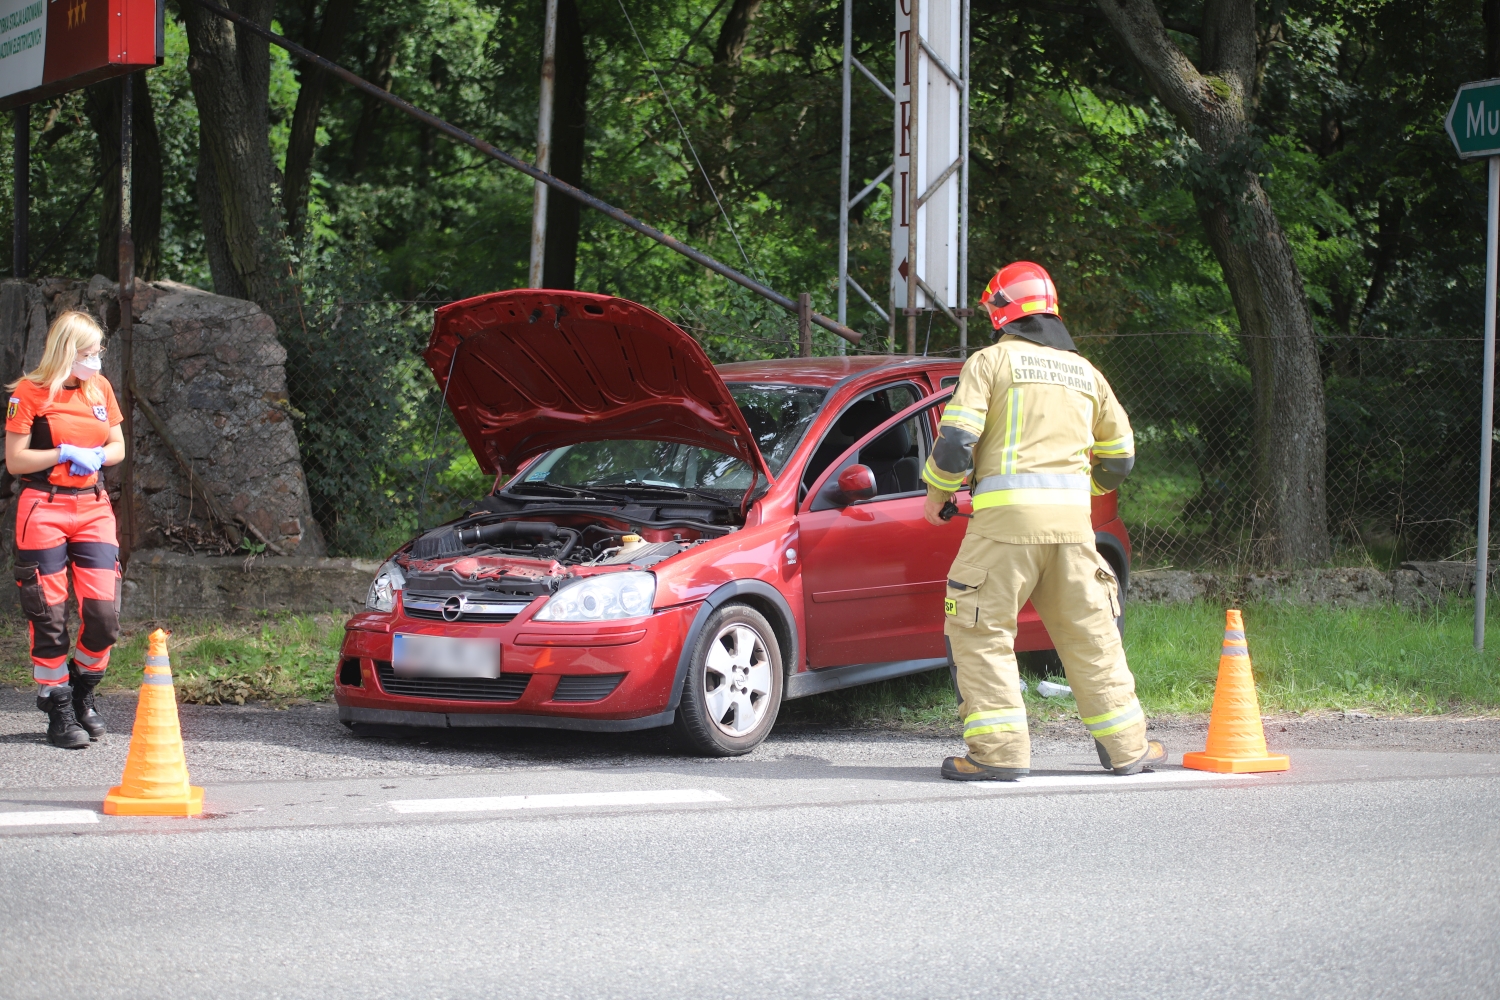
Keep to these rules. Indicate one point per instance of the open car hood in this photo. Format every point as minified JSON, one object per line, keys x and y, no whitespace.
{"x":535,"y":369}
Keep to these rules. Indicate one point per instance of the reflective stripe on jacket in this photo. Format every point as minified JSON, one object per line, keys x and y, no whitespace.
{"x":1036,"y":431}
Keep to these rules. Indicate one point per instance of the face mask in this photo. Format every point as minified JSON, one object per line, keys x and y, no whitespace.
{"x":87,"y":368}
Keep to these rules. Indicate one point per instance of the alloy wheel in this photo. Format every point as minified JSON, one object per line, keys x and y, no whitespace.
{"x":737,"y":680}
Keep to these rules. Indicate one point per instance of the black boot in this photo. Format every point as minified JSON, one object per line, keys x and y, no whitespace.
{"x":63,"y":729}
{"x":83,"y":699}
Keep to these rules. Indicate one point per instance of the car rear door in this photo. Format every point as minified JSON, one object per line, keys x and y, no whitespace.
{"x":873,"y":571}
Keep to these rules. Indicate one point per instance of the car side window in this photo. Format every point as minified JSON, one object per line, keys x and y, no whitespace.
{"x":896,"y":458}
{"x":858,"y":419}
{"x":948,"y":381}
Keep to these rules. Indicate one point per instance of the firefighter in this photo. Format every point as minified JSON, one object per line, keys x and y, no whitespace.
{"x":1037,"y":431}
{"x":62,"y":425}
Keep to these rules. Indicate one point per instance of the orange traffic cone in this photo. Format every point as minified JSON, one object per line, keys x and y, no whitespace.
{"x":1236,"y":741}
{"x":156,"y":778}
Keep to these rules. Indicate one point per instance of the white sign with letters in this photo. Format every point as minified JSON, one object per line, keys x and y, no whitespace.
{"x":933,"y":151}
{"x":23,"y":44}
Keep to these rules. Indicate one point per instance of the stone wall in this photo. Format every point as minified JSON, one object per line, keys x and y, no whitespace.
{"x":213,"y":370}
{"x":1415,"y":585}
{"x":163,"y":585}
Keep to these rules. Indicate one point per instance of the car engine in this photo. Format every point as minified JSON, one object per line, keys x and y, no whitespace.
{"x":487,"y":560}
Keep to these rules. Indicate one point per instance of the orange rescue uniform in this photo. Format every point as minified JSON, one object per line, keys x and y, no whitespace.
{"x":63,"y":520}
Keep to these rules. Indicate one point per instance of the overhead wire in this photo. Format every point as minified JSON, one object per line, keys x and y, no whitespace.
{"x":682,"y":130}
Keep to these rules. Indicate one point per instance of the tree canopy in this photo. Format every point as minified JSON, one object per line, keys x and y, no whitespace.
{"x":718,"y":121}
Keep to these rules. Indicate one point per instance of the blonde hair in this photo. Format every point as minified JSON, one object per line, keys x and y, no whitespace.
{"x":71,"y":332}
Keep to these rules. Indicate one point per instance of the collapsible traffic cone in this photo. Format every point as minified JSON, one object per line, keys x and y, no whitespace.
{"x":156,"y":778}
{"x":1236,"y":741}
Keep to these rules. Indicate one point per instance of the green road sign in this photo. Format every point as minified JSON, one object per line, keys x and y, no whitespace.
{"x":1474,"y":120}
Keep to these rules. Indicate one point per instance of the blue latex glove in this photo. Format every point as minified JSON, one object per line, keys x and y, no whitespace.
{"x":83,"y":461}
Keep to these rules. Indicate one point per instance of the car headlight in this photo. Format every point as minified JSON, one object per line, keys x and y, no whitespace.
{"x":382,"y":595}
{"x":601,"y":598}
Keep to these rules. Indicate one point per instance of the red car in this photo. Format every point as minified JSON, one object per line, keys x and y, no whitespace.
{"x":679,"y":544}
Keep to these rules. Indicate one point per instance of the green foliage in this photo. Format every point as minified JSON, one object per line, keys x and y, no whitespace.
{"x":382,"y":458}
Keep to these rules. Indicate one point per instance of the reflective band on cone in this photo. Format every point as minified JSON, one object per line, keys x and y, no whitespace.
{"x":156,"y":777}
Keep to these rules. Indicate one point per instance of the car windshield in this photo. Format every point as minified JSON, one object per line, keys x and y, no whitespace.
{"x":778,"y":416}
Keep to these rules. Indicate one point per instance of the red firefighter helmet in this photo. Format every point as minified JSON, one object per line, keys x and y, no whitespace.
{"x":1019,"y":289}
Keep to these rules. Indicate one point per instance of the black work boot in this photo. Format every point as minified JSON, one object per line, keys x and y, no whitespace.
{"x":1155,"y":754}
{"x":63,"y":729}
{"x":84,"y":683}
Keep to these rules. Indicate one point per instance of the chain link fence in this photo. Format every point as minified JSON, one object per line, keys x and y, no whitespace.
{"x":1402,"y":432}
{"x":384,"y":459}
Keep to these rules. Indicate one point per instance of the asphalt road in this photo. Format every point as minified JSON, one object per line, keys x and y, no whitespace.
{"x":827,"y":864}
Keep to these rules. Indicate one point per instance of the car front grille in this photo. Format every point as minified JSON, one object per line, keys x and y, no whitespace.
{"x":586,"y":687}
{"x":506,"y":687}
{"x":429,"y":607}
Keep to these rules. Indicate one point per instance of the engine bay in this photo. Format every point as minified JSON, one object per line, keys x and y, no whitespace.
{"x":530,"y":552}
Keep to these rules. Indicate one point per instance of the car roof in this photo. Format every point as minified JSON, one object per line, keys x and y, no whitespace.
{"x":824,"y":372}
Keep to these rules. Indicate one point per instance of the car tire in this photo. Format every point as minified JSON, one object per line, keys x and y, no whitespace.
{"x":732,"y":691}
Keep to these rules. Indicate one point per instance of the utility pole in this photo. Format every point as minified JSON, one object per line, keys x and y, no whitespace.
{"x":843,"y":315}
{"x":127,"y":303}
{"x":544,"y":147}
{"x":1487,"y":403}
{"x":804,"y":324}
{"x":22,"y":192}
{"x":913,"y":65}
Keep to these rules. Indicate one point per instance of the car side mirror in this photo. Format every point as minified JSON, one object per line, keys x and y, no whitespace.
{"x":856,"y":483}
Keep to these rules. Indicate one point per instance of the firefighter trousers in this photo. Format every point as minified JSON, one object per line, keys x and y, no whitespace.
{"x":56,"y":532}
{"x":1075,"y":592}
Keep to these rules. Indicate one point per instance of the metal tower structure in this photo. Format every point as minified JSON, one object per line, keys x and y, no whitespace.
{"x":929,"y":217}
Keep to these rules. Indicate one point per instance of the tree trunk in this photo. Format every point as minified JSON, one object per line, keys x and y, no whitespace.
{"x":230,"y":73}
{"x":1215,"y":105}
{"x":304,"y":132}
{"x":569,"y":117}
{"x":735,"y":32}
{"x":102,"y":105}
{"x":379,"y":74}
{"x":1491,"y":38}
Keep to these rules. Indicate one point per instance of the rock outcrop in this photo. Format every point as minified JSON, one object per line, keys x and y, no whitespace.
{"x":214,"y":373}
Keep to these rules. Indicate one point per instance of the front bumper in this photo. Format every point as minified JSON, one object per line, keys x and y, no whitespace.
{"x":535,"y":658}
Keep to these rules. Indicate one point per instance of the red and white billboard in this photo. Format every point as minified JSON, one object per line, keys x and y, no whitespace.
{"x":48,"y":47}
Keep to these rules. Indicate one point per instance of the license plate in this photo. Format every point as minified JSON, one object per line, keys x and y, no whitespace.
{"x":416,"y":655}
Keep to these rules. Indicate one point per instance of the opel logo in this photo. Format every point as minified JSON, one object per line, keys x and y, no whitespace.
{"x":453,"y":607}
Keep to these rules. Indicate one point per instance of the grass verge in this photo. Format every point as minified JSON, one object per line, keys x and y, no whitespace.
{"x":280,"y":660}
{"x":1379,"y":659}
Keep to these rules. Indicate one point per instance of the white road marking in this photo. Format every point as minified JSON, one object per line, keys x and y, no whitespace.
{"x":1108,"y":780}
{"x":566,"y":800}
{"x":48,"y":817}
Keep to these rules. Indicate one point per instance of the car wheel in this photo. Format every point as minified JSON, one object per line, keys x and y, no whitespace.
{"x":732,"y":691}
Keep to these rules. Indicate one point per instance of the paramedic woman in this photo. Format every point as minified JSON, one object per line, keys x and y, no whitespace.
{"x":62,"y":425}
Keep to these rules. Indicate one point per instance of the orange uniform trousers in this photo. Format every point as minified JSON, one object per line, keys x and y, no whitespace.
{"x":56,"y":532}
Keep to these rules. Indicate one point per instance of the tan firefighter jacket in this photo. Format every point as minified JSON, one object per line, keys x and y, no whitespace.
{"x":1036,"y":431}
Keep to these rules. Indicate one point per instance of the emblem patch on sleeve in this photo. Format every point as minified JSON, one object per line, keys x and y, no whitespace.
{"x":10,"y":410}
{"x":950,"y":606}
{"x":101,"y":411}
